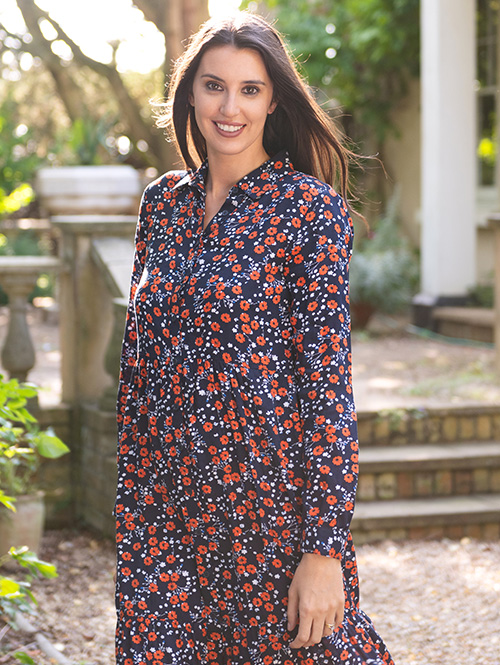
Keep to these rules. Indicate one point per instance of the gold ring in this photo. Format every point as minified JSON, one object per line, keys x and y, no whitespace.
{"x":331,"y":626}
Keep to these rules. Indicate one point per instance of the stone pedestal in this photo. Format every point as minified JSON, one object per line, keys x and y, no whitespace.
{"x":494,"y":223}
{"x":80,"y":190}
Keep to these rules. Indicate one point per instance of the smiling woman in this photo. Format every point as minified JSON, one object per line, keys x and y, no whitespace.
{"x":238,"y":452}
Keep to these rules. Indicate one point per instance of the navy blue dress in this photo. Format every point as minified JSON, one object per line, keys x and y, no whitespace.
{"x":237,"y":428}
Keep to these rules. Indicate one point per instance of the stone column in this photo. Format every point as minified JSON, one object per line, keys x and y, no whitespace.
{"x":448,"y":233}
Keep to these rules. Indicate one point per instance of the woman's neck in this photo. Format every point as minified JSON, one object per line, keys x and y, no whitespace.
{"x":224,"y":171}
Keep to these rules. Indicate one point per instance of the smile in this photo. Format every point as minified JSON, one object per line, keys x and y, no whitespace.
{"x":232,"y":129}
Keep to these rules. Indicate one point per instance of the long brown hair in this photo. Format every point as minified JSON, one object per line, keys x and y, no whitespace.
{"x":298,"y":124}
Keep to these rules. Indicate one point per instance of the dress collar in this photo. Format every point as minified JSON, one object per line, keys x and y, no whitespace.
{"x":253,"y":184}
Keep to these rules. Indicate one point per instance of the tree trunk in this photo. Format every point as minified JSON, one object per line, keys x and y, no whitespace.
{"x":195,"y":12}
{"x":67,"y":90}
{"x":172,"y":29}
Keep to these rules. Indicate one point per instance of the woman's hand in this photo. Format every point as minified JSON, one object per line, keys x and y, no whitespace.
{"x":316,"y":595}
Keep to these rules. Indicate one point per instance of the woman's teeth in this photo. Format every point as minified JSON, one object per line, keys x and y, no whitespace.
{"x":229,"y":128}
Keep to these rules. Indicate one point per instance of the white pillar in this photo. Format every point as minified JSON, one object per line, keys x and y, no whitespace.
{"x":448,"y":56}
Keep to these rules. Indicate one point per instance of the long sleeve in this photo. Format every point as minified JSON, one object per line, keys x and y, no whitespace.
{"x":128,"y":359}
{"x":316,"y":273}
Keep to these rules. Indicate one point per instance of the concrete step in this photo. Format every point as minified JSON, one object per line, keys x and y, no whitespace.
{"x":475,"y":323}
{"x":477,"y":516}
{"x":463,"y":455}
{"x":447,"y":423}
{"x":419,"y":471}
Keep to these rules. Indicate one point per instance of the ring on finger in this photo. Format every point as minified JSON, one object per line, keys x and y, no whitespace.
{"x":331,"y":626}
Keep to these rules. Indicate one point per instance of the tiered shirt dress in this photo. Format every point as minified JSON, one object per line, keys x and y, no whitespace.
{"x":237,"y":429}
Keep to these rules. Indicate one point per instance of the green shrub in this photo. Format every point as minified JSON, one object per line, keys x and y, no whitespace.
{"x":384,"y":267}
{"x":22,"y":445}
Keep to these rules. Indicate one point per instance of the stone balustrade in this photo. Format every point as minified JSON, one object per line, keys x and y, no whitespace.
{"x":92,"y":212}
{"x":97,"y":253}
{"x":18,"y":277}
{"x":94,"y":250}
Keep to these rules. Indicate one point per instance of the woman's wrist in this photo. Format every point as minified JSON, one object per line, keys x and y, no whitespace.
{"x":313,"y":556}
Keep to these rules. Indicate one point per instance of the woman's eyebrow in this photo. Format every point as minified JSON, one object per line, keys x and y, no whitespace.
{"x":218,"y":78}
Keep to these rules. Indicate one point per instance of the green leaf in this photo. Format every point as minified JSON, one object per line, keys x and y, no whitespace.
{"x":29,"y":559}
{"x":50,"y":445}
{"x":23,"y":657}
{"x":30,"y":595}
{"x":9,"y":588}
{"x":7,"y":501}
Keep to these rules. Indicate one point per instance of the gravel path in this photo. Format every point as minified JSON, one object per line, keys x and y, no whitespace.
{"x":432,"y":601}
{"x":435,"y":603}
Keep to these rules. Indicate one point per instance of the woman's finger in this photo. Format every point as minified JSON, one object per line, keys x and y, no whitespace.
{"x":316,"y":632}
{"x":329,"y":627}
{"x":304,"y":633}
{"x":293,"y":609}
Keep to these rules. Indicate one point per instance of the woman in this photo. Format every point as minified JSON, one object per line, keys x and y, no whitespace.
{"x":237,"y":431}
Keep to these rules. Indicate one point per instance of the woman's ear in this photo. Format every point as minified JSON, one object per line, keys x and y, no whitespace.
{"x":272,"y":107}
{"x":191,"y":99}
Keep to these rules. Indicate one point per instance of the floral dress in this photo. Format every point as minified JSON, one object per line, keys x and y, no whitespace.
{"x":237,"y":430}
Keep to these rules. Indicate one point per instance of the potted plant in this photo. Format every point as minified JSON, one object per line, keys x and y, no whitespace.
{"x":383,"y":271}
{"x":23,"y":445}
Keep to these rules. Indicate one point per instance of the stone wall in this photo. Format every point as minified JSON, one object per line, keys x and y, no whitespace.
{"x":97,"y":469}
{"x":56,"y":476}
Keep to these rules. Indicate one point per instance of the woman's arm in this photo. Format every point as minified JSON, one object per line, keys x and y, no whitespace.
{"x":129,"y":347}
{"x":317,"y":279}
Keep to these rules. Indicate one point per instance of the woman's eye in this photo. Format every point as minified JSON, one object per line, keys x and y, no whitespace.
{"x":250,"y":90}
{"x":212,"y":85}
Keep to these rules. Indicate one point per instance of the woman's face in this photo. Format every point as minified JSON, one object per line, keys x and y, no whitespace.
{"x":232,"y":97}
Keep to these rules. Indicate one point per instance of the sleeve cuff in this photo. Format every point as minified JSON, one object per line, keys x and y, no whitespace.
{"x":324,"y":540}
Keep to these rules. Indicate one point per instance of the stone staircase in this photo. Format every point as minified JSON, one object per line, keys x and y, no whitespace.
{"x":429,"y":474}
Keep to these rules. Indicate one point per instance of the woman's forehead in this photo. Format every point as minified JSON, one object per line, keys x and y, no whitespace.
{"x":227,"y":62}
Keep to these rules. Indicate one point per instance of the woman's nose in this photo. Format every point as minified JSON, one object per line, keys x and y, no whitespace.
{"x":230,"y":106}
